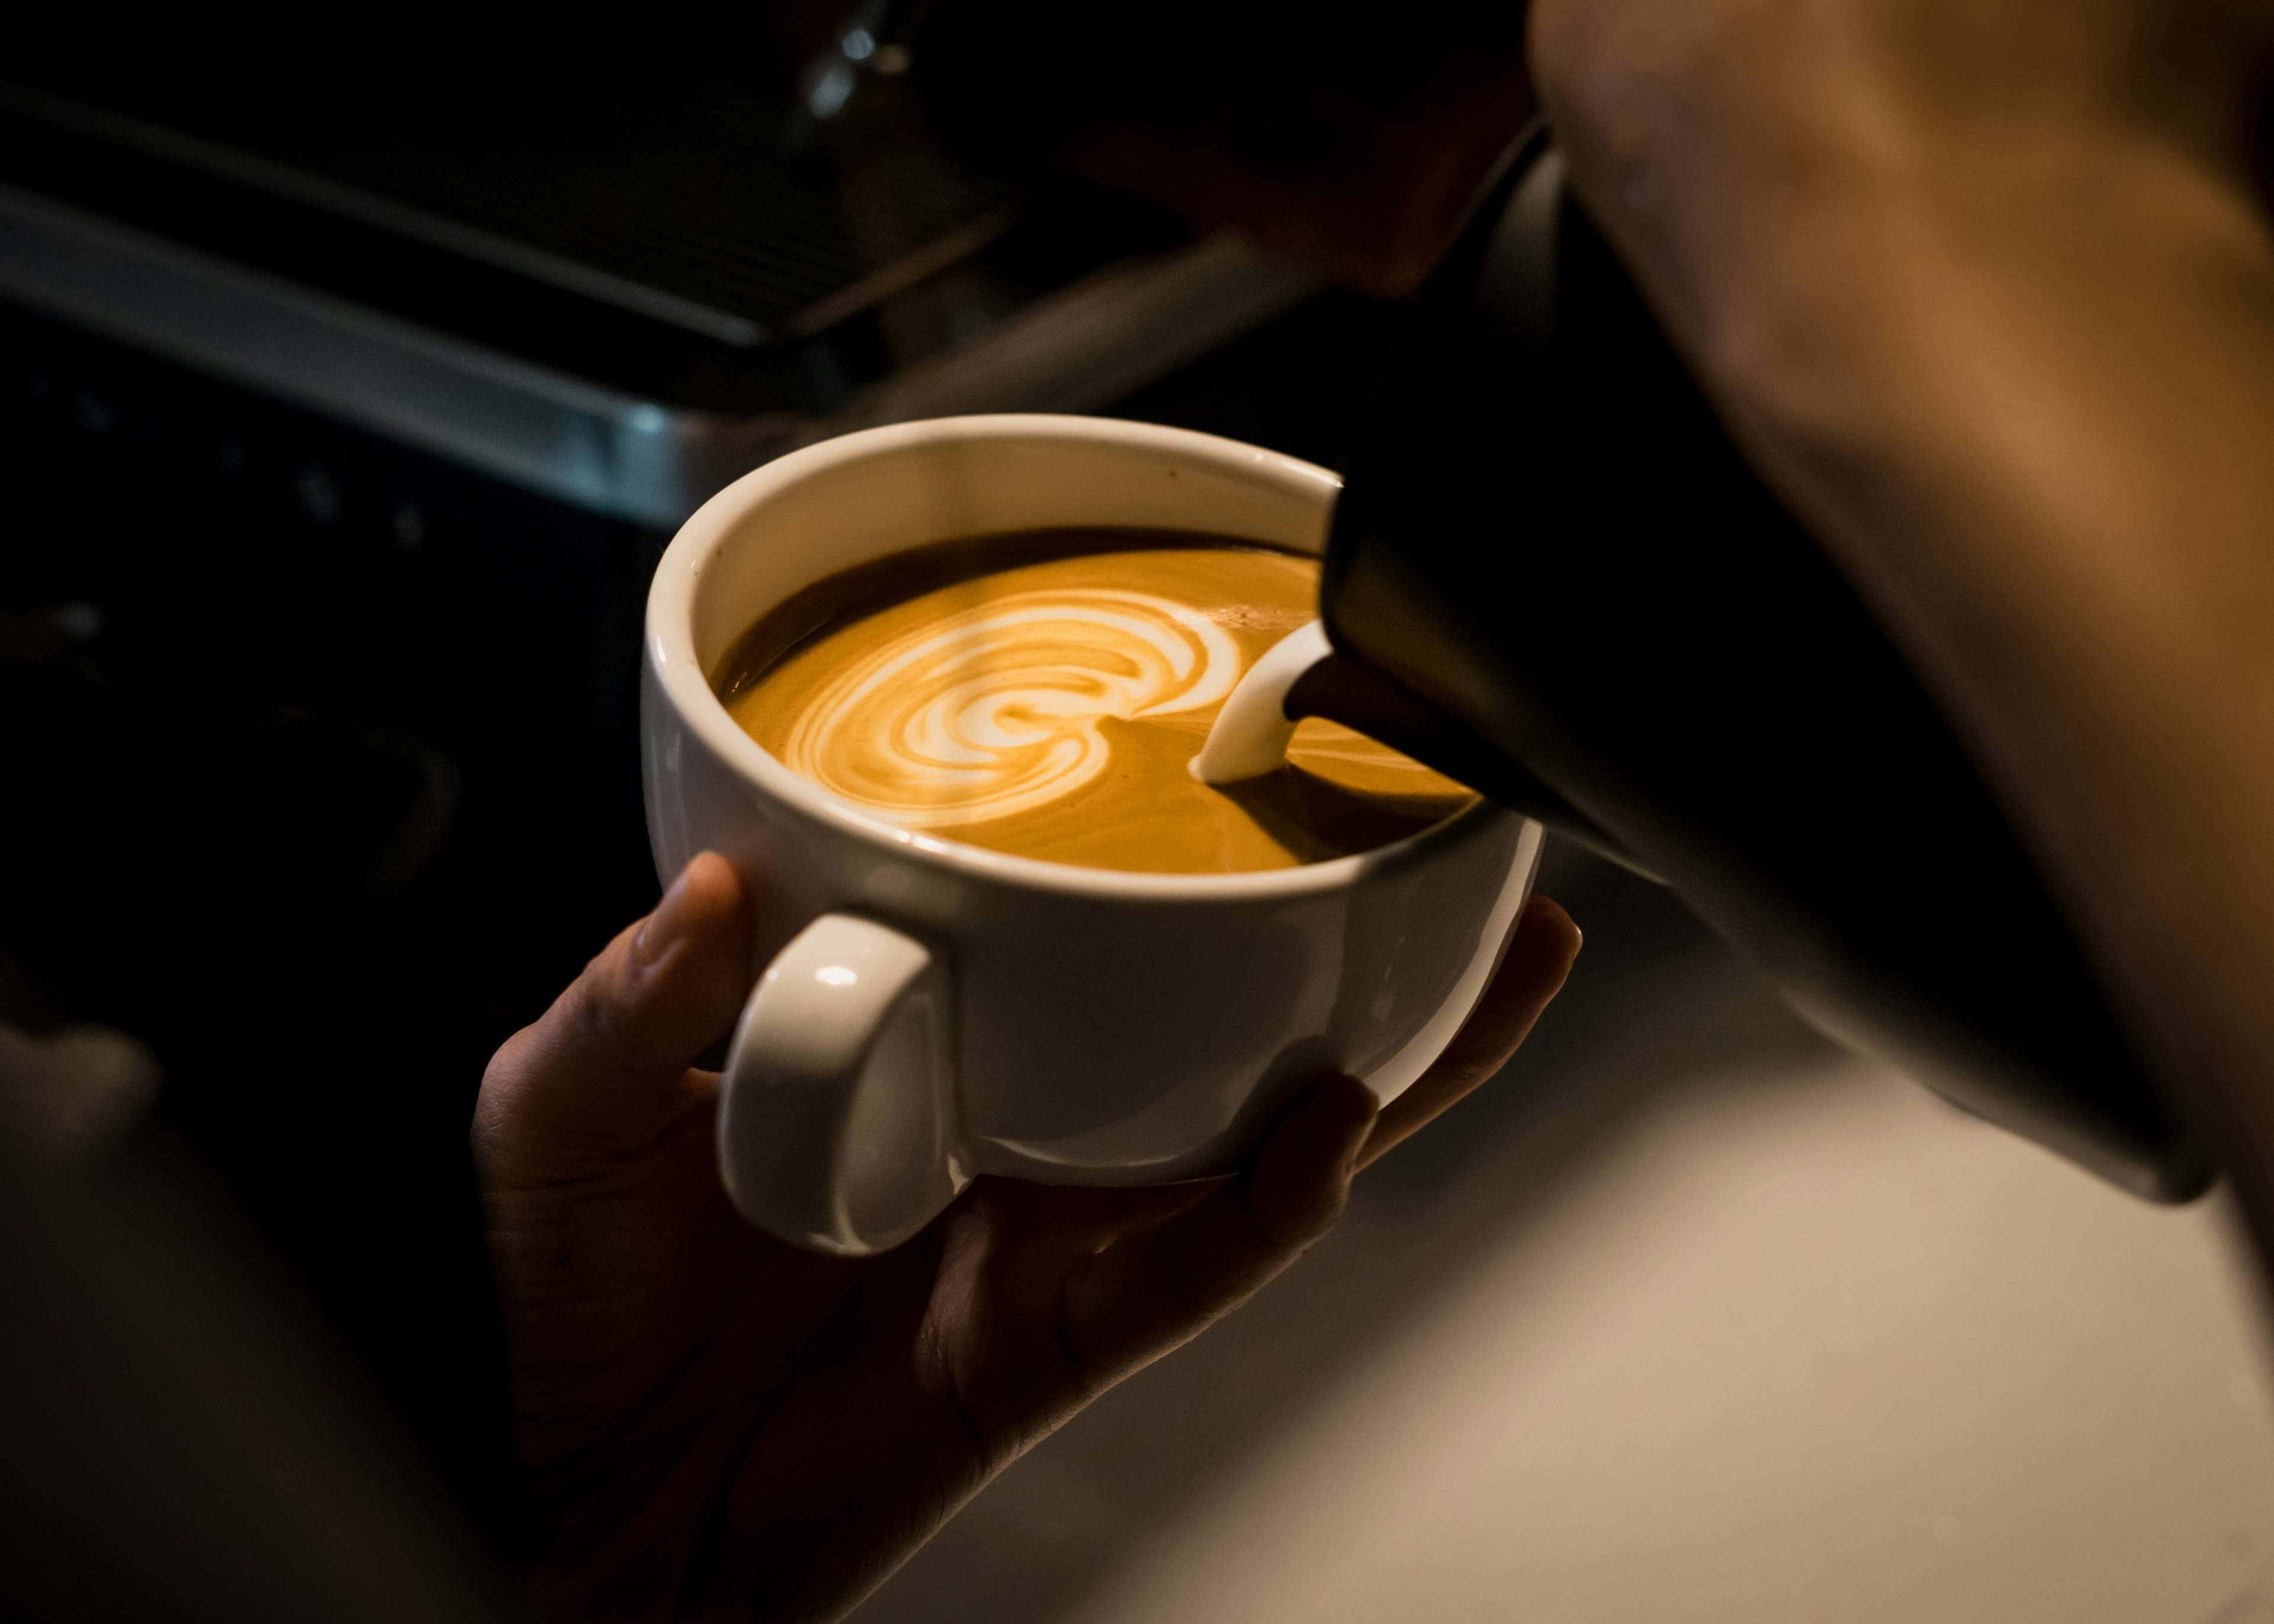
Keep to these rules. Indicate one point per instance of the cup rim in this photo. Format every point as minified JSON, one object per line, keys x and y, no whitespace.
{"x":672,"y":660}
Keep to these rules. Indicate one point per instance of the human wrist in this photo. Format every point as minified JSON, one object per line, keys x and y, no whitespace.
{"x":1906,"y":331}
{"x":1825,"y":237}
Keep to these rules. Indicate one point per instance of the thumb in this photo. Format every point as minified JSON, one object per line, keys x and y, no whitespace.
{"x":595,"y":1075}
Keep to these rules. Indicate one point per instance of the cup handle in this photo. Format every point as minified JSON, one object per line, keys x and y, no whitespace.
{"x":837,"y":1127}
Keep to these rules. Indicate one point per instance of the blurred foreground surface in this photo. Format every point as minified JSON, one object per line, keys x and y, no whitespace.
{"x":1688,"y":1316}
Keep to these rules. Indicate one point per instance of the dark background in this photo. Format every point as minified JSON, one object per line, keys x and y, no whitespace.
{"x":322,"y":779}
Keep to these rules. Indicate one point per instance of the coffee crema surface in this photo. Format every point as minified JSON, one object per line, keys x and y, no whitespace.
{"x":1044,"y":694}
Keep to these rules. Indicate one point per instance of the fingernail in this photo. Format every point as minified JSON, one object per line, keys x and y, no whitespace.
{"x":659,"y":929}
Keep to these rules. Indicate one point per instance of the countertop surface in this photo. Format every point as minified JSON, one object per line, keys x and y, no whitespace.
{"x":1689,"y":1316}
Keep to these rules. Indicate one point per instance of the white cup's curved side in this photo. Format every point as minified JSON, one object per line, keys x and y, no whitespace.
{"x":1102,"y":1028}
{"x":1400,"y":1071}
{"x":837,"y":1122}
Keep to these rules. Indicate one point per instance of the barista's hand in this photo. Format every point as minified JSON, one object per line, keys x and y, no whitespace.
{"x":713,"y":1423}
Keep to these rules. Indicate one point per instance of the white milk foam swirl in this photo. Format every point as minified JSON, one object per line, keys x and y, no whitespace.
{"x":995,"y":711}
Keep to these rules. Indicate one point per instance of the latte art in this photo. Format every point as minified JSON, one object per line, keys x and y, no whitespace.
{"x":1044,"y":694}
{"x":998,"y":709}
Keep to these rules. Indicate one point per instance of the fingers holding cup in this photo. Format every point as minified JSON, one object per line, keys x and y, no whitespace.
{"x":597,"y":1072}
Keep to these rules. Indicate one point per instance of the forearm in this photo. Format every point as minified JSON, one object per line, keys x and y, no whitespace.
{"x":2021,"y":379}
{"x":2052,"y":474}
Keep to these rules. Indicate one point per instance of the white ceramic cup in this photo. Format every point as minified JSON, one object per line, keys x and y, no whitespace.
{"x":929,"y":1011}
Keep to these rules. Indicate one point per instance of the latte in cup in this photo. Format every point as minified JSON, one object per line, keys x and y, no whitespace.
{"x":932,"y":1012}
{"x":1044,"y":694}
